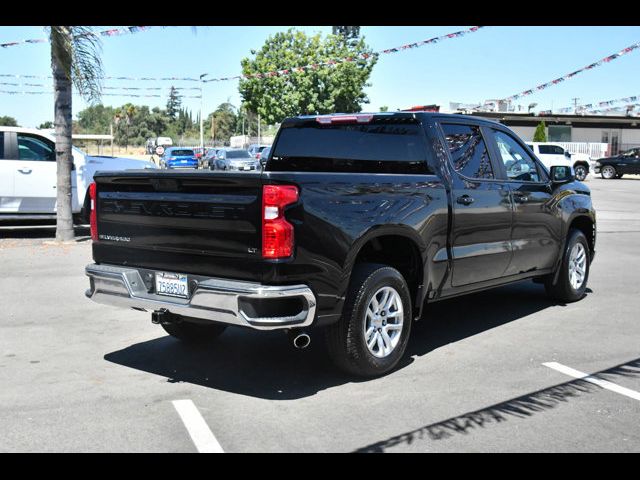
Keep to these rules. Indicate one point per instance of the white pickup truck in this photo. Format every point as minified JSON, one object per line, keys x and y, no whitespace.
{"x":28,"y":174}
{"x":553,"y":154}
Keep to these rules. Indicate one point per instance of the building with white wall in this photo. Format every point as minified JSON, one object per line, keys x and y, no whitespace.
{"x":619,"y":132}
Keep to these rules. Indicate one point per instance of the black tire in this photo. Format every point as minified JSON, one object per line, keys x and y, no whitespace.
{"x":194,"y":333}
{"x":608,"y":172}
{"x":562,"y":290}
{"x":581,"y":172}
{"x":345,"y":339}
{"x":620,"y":175}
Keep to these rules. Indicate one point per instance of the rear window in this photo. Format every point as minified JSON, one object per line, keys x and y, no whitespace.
{"x":181,"y":153}
{"x":366,"y":148}
{"x":238,"y":154}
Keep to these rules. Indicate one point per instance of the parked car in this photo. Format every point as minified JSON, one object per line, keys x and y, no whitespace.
{"x":179,"y":157}
{"x":208,"y":158}
{"x":618,"y":165}
{"x":28,"y":174}
{"x":356,"y":223}
{"x":164,"y":142}
{"x":232,"y":159}
{"x":554,"y":154}
{"x":255,"y":149}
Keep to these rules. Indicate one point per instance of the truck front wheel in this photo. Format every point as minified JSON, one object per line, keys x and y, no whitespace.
{"x":581,"y":171}
{"x":574,"y":270}
{"x":372,"y":335}
{"x":196,"y":333}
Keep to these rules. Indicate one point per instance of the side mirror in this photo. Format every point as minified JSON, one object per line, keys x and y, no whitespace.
{"x":567,"y":154}
{"x":561,"y":174}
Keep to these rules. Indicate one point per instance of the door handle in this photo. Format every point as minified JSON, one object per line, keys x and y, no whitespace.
{"x":520,"y":197}
{"x":24,"y":170}
{"x":465,"y":200}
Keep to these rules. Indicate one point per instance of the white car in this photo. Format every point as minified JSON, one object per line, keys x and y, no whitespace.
{"x":552,"y":154}
{"x":28,"y":174}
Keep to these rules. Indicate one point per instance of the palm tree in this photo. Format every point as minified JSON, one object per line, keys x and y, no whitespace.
{"x":75,"y":61}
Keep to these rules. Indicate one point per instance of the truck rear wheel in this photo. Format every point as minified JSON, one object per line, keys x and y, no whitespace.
{"x":196,"y":333}
{"x":372,"y":335}
{"x":574,"y":270}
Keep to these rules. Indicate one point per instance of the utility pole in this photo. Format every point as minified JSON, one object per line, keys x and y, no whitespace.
{"x":258,"y":128}
{"x":201,"y":117}
{"x":575,"y":104}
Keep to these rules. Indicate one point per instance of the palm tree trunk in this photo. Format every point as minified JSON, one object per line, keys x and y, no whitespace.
{"x":64,"y":158}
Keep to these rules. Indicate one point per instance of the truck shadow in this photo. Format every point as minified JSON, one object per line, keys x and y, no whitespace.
{"x":265,"y":365}
{"x":43,"y":231}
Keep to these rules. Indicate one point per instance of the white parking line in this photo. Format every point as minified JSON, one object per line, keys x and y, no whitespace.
{"x":202,"y":436}
{"x":596,"y":381}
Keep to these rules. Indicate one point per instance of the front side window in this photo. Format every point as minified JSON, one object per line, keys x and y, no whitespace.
{"x":517,"y":162}
{"x":34,"y":148}
{"x":551,"y":150}
{"x":468,"y":151}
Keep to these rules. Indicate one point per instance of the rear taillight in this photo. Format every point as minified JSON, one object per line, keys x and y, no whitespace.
{"x":277,"y":233}
{"x":258,"y":155}
{"x":93,"y":214}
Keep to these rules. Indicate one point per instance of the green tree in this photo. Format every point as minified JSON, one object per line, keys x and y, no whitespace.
{"x":223,"y":122}
{"x":325,"y":89}
{"x":174,"y":103}
{"x":349,"y":33}
{"x":384,"y":108}
{"x":7,"y":121}
{"x":45,"y":125}
{"x":540,"y":134}
{"x":75,"y":60}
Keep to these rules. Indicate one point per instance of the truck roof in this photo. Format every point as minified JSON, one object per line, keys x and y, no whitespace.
{"x":398,"y":115}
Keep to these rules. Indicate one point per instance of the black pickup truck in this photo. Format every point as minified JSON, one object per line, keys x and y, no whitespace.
{"x":355,"y":224}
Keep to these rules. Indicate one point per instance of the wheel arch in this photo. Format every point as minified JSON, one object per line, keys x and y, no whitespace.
{"x":399,"y":247}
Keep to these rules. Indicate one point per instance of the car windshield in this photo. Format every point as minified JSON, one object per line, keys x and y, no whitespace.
{"x":181,"y":153}
{"x":238,"y":154}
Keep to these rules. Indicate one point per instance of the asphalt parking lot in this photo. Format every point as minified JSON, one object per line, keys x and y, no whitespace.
{"x":479,"y":375}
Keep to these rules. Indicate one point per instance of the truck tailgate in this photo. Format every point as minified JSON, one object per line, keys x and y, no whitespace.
{"x":196,"y":222}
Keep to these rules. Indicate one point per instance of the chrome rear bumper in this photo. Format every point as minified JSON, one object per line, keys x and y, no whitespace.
{"x":213,"y":299}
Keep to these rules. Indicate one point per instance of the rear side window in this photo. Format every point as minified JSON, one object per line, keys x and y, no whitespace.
{"x":469,"y":155}
{"x":359,"y":148}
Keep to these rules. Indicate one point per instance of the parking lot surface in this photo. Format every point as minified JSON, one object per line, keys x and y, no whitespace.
{"x":478,"y":377}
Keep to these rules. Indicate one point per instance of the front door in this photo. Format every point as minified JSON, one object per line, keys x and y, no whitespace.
{"x":536,"y":235}
{"x":482,"y":208}
{"x":35,"y":174}
{"x":8,"y":201}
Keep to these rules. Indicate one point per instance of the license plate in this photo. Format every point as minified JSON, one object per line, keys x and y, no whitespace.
{"x":172,"y":284}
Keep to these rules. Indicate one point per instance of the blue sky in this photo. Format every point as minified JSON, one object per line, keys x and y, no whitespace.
{"x":493,"y":63}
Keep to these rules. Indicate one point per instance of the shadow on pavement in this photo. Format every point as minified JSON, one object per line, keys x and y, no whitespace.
{"x":44,"y":231}
{"x":524,"y":406}
{"x":265,"y":365}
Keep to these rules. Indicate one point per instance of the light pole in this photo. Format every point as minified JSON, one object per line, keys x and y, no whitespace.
{"x":201,"y":118}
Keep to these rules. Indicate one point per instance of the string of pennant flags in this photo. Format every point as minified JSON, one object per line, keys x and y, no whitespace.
{"x":568,"y":76}
{"x":50,"y":92}
{"x":629,"y":107}
{"x":284,"y":71}
{"x":112,"y":32}
{"x":606,"y":103}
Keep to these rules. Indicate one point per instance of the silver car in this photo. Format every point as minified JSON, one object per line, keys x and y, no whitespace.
{"x":239,"y":160}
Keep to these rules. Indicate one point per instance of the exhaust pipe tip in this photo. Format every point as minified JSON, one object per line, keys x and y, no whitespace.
{"x":301,"y":341}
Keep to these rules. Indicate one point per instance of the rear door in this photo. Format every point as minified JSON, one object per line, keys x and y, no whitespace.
{"x":482,"y":209}
{"x":536,"y":234}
